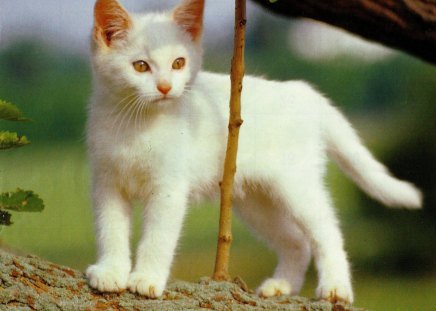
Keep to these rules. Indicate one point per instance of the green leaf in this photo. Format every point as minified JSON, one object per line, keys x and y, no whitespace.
{"x":10,"y":140}
{"x":21,"y":201}
{"x":10,"y":112}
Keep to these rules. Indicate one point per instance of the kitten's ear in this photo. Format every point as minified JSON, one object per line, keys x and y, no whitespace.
{"x":111,"y":21}
{"x":189,"y":16}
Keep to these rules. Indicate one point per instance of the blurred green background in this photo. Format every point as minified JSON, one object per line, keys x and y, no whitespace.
{"x":390,"y":102}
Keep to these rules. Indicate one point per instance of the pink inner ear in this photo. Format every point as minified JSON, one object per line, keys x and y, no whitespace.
{"x":111,"y":21}
{"x":189,"y":16}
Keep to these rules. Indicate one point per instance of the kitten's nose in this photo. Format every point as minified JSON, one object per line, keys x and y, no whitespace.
{"x":164,"y":87}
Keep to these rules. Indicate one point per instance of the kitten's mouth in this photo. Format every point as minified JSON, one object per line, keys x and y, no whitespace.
{"x":159,"y":99}
{"x":163,"y":99}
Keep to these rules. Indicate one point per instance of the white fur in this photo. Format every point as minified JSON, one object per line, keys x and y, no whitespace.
{"x":165,"y":152}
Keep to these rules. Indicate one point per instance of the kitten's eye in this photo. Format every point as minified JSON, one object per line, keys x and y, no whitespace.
{"x":179,"y":63}
{"x":141,"y":66}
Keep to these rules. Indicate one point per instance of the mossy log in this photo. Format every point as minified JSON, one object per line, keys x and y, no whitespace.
{"x":30,"y":283}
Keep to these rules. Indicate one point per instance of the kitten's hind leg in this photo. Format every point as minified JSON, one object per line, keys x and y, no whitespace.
{"x":311,"y":207}
{"x":293,"y":251}
{"x":274,"y":225}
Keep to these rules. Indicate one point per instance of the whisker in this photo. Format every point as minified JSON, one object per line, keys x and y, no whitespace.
{"x":131,"y":105}
{"x":122,"y":101}
{"x":144,"y":106}
{"x":128,"y":100}
{"x":138,"y":113}
{"x":132,"y":111}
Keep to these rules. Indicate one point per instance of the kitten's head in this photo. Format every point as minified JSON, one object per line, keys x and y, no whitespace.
{"x":154,"y":56}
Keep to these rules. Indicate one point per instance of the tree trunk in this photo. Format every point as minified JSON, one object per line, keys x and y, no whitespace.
{"x":237,"y":73}
{"x":30,"y":283}
{"x":407,"y":25}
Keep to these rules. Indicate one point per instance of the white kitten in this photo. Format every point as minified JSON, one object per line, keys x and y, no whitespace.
{"x":157,"y":132}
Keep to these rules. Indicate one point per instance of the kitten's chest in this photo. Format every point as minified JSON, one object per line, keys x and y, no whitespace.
{"x":144,"y":154}
{"x":151,"y":148}
{"x":139,"y":161}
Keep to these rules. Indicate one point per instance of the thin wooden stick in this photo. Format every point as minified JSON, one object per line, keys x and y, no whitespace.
{"x":237,"y":73}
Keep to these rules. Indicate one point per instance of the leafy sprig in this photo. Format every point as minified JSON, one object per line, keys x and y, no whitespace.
{"x":10,"y":140}
{"x":19,"y":200}
{"x":10,"y":112}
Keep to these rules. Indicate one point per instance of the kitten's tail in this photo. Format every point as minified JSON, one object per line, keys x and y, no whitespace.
{"x":346,"y":149}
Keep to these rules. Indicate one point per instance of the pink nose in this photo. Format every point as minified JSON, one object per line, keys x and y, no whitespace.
{"x":164,"y":88}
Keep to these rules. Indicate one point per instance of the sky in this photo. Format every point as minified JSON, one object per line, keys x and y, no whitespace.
{"x":68,"y":24}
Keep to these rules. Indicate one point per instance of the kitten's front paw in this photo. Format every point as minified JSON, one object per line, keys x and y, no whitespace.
{"x":106,"y":278}
{"x":274,"y":287}
{"x":334,"y":294}
{"x":145,"y":285}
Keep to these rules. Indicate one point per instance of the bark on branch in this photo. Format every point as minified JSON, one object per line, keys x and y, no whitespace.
{"x":407,"y":25}
{"x":30,"y":283}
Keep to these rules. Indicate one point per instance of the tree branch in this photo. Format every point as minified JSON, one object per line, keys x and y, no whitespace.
{"x":235,"y":122}
{"x":407,"y":25}
{"x":30,"y":283}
